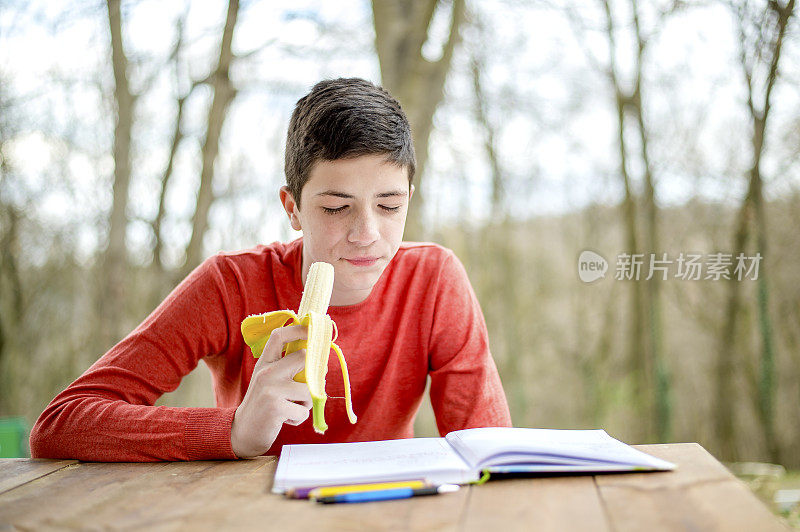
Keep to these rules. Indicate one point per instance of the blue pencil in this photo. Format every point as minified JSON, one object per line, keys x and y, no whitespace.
{"x":387,"y":495}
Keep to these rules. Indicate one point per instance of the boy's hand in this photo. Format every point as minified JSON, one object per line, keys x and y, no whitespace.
{"x":273,"y":397}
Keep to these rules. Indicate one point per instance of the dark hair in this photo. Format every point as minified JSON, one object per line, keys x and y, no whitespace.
{"x":344,"y":118}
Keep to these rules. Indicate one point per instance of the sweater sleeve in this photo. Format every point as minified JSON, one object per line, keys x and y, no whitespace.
{"x":108,"y":413}
{"x":465,"y":391}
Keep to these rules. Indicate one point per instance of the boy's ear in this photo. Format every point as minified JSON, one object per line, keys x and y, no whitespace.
{"x":291,"y":208}
{"x":411,"y":192}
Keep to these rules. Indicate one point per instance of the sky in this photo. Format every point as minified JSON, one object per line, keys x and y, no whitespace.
{"x":552,"y":111}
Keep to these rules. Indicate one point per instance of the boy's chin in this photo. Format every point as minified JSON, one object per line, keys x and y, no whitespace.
{"x":363,"y":280}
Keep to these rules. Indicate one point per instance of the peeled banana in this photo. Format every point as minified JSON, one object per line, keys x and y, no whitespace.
{"x":257,"y":328}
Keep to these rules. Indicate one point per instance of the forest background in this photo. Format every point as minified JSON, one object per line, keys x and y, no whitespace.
{"x":139,"y":137}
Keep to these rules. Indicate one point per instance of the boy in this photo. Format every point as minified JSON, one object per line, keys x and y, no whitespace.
{"x":403,"y":310}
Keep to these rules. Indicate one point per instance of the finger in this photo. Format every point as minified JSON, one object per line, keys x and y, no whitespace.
{"x":291,"y":333}
{"x":290,"y":365}
{"x":278,"y":339}
{"x":297,"y":392}
{"x":306,"y":403}
{"x":296,"y":414}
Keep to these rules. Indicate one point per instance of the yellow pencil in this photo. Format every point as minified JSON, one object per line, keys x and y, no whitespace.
{"x":330,"y":491}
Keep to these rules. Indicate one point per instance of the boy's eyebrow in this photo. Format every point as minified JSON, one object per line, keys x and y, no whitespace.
{"x":392,"y":193}
{"x":389,"y":194}
{"x":335,"y":193}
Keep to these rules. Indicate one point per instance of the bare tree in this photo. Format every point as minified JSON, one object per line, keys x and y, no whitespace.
{"x":11,"y":290}
{"x":499,"y":254}
{"x":162,"y":281}
{"x":114,"y":262}
{"x":10,"y":284}
{"x":649,"y":373}
{"x":662,"y":403}
{"x":638,"y":349}
{"x":177,"y":137}
{"x":224,"y":93}
{"x":477,"y":66}
{"x":401,"y":29}
{"x":761,"y":36}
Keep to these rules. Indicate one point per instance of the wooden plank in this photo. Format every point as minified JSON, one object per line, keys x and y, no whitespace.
{"x":233,"y":495}
{"x":90,"y":495}
{"x":257,"y":507}
{"x":699,"y":495}
{"x":204,"y":496}
{"x":544,"y":503}
{"x":17,"y":471}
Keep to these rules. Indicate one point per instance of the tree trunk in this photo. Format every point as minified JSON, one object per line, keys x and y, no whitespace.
{"x":490,"y":146}
{"x":177,"y":138}
{"x":504,"y":254}
{"x":752,"y":210}
{"x":223,"y":95}
{"x":160,"y":280}
{"x":114,"y":263}
{"x":723,"y":410}
{"x":767,"y":389}
{"x":11,"y":301}
{"x":637,"y":349}
{"x":662,"y":405}
{"x":401,"y":28}
{"x":767,"y":383}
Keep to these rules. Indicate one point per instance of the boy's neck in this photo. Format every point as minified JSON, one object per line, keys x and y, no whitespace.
{"x":352,"y":298}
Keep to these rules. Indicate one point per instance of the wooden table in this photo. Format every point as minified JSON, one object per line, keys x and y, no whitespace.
{"x":66,"y":494}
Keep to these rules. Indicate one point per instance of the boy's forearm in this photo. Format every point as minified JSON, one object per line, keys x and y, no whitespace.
{"x":107,"y":414}
{"x":102,"y":430}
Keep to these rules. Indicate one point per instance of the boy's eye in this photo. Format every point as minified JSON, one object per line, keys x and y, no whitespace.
{"x":390,"y":209}
{"x":334,"y":210}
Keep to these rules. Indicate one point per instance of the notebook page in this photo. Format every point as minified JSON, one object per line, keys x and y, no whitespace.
{"x":330,"y":464}
{"x":479,"y":446}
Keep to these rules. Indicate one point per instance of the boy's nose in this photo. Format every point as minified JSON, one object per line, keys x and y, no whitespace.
{"x":365,"y":230}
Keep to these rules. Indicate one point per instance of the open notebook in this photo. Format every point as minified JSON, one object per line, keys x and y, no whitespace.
{"x":459,"y":458}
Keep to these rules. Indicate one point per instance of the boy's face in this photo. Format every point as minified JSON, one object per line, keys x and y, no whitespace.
{"x":353,"y":214}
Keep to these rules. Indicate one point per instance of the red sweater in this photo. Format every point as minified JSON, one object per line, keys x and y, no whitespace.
{"x":421,"y":318}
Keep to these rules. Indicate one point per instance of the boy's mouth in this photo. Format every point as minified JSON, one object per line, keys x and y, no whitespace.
{"x":362,"y":261}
